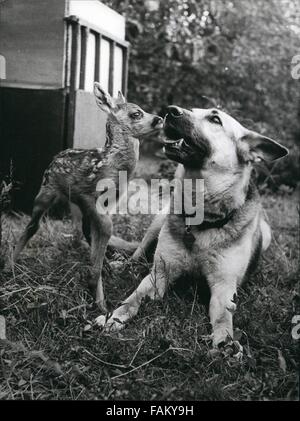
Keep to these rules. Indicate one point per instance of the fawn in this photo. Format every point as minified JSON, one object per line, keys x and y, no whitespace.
{"x":74,"y":173}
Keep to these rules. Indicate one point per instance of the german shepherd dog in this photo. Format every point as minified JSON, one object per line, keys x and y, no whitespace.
{"x":210,"y":145}
{"x":74,"y":173}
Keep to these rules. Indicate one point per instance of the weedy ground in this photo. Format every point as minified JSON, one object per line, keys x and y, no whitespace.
{"x":52,"y":349}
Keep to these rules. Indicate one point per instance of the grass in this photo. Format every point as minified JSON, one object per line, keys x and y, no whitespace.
{"x":53,"y":351}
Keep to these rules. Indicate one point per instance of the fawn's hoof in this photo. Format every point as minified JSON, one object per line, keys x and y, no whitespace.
{"x":234,"y":349}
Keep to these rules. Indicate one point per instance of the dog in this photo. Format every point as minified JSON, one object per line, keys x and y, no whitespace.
{"x":74,"y":173}
{"x":223,"y":249}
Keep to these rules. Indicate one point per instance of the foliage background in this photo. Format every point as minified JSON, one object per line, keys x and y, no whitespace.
{"x":237,"y":53}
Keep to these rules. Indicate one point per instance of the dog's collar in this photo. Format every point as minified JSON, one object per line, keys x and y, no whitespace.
{"x":189,"y":237}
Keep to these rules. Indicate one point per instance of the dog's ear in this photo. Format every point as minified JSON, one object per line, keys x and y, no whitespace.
{"x":121,"y":98}
{"x":263,"y":148}
{"x":103,"y":99}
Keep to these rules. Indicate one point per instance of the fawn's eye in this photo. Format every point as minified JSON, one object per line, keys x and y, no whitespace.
{"x":215,"y":119}
{"x":137,"y":115}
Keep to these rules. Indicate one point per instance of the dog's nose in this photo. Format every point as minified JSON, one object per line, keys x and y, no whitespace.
{"x":156,"y":121}
{"x":175,"y":111}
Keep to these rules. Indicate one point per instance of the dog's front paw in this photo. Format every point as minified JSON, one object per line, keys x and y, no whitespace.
{"x":101,"y":321}
{"x":220,"y":337}
{"x":234,"y":349}
{"x":109,"y":324}
{"x":229,"y":349}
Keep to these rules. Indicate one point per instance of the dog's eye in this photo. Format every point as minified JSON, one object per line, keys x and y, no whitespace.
{"x":137,"y":114}
{"x":215,"y":119}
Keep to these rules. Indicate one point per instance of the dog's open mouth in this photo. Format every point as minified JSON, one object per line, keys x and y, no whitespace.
{"x":171,"y":132}
{"x":174,"y":144}
{"x":183,"y":143}
{"x":177,"y":150}
{"x":182,"y":148}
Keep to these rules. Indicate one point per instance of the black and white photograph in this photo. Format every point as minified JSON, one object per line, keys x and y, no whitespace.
{"x":149,"y":203}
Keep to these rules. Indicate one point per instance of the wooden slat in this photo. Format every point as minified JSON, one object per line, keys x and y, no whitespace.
{"x":75,"y":51}
{"x":111,"y":67}
{"x":125,"y":71}
{"x":75,"y":62}
{"x":84,"y":41}
{"x":68,"y":53}
{"x":97,"y":57}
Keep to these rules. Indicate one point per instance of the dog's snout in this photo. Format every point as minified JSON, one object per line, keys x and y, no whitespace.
{"x":156,"y":121}
{"x":175,"y":111}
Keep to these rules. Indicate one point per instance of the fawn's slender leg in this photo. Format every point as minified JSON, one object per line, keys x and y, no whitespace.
{"x":101,"y":230}
{"x":76,"y":216}
{"x":86,"y":229}
{"x":42,"y":203}
{"x":80,"y":222}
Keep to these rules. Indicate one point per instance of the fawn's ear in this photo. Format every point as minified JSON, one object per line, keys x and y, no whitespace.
{"x":263,"y":148}
{"x":121,"y":98}
{"x":103,"y":99}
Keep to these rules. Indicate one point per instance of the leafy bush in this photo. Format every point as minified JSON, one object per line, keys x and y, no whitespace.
{"x":237,"y":53}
